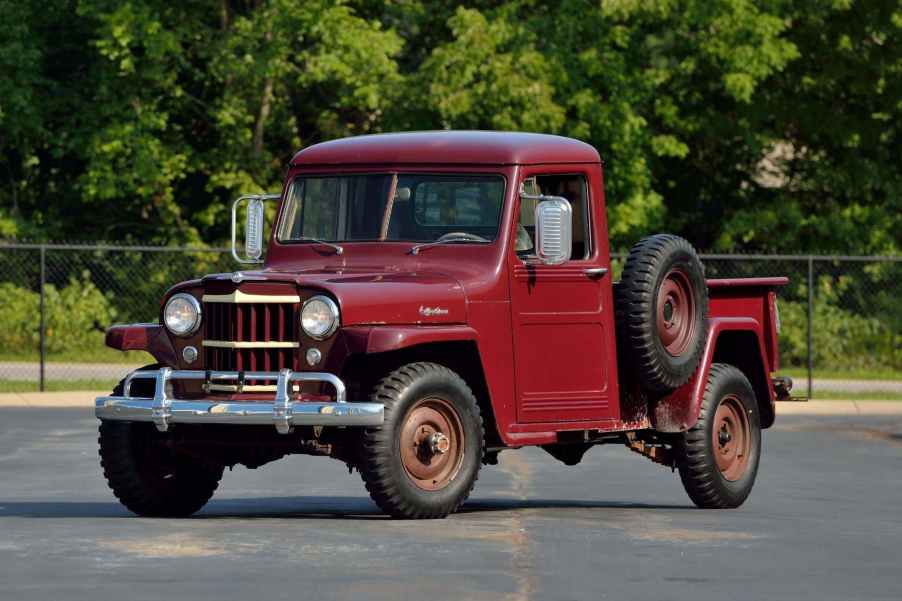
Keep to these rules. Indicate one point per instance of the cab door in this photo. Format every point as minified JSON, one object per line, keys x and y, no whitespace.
{"x":562,"y":319}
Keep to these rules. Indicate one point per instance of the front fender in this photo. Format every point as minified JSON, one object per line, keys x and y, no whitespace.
{"x":679,"y":410}
{"x":149,"y":337}
{"x":381,"y":339}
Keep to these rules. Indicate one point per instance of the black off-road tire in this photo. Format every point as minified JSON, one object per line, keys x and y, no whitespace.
{"x":707,"y":483}
{"x":390,"y":483}
{"x":145,"y":475}
{"x":662,"y":272}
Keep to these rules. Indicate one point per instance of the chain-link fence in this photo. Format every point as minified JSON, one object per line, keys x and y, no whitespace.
{"x":841,"y":316}
{"x":57,"y":300}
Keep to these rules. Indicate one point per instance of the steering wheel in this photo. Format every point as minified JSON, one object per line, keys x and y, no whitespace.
{"x":461,"y":236}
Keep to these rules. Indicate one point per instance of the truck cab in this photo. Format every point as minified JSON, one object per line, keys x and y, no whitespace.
{"x":427,"y":301}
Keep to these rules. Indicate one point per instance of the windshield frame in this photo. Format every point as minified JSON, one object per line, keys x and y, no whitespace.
{"x":395,"y":174}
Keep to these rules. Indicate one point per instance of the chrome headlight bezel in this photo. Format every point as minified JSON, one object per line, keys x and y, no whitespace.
{"x":332,"y":326}
{"x":193,"y":304}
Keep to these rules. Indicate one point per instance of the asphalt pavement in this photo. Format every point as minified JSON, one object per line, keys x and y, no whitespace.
{"x":824,"y":522}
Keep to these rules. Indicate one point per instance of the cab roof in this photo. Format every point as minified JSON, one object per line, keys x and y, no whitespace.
{"x":457,"y":147}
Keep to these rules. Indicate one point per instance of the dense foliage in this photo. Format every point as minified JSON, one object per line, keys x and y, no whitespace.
{"x":744,"y":125}
{"x":76,"y":317}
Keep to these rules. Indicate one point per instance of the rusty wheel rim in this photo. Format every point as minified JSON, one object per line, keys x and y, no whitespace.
{"x":676,"y":312}
{"x":432,"y":443}
{"x":732,"y":438}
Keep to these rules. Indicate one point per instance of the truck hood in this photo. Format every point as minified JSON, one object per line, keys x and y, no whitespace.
{"x":376,"y":296}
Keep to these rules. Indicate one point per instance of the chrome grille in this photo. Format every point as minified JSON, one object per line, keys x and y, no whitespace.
{"x":250,"y":322}
{"x":222,"y":359}
{"x":258,"y":328}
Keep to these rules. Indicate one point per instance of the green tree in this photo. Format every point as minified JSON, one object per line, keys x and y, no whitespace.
{"x":141,"y":119}
{"x":655,"y":86}
{"x":743,"y":125}
{"x":831,"y":121}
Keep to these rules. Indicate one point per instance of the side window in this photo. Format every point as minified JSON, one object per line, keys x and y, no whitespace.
{"x":572,"y":187}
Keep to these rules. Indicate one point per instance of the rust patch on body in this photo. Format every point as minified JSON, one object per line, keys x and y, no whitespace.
{"x":658,"y":453}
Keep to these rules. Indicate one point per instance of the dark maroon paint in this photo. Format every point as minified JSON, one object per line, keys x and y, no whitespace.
{"x":149,"y":337}
{"x":448,"y":147}
{"x":544,"y":334}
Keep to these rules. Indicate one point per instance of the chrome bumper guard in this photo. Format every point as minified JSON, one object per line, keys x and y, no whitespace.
{"x":282,"y":411}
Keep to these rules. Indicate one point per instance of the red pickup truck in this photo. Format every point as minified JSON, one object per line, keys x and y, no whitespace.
{"x":427,"y":301}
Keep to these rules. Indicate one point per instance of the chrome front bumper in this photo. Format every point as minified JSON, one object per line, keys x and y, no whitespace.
{"x":282,"y":411}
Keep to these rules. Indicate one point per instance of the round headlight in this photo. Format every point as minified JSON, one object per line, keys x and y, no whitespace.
{"x":182,"y":314}
{"x":319,"y":317}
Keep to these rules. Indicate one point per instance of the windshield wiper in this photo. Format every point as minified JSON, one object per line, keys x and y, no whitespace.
{"x":452,"y":237}
{"x":338,"y":249}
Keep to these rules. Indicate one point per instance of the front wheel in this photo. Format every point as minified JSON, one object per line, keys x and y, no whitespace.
{"x":718,"y":457}
{"x":145,"y":474}
{"x":424,"y":459}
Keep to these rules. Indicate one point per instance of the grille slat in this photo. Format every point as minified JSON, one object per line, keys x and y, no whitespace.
{"x":249,"y":322}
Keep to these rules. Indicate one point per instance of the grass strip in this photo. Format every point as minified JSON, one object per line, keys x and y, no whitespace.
{"x":838,"y":395}
{"x":56,"y":385}
{"x":101,"y":355}
{"x":798,"y":373}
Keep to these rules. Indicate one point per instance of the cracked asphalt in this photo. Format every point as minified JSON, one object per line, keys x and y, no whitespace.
{"x":824,"y":522}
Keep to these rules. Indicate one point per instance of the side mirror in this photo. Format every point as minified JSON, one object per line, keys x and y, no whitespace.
{"x":254,"y":225}
{"x":554,"y":230}
{"x":253,"y":230}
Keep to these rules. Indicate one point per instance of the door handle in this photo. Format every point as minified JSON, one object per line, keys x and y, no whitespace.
{"x":596,"y":272}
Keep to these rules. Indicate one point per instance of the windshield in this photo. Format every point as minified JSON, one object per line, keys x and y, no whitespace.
{"x":404,"y":207}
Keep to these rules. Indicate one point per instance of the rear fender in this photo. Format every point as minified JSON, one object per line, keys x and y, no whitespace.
{"x":149,"y":337}
{"x":735,"y":340}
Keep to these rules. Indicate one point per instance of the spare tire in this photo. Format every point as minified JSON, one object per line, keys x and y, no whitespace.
{"x":662,"y":312}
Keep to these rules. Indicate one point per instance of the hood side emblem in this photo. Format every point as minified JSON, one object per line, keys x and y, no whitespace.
{"x":432,"y":311}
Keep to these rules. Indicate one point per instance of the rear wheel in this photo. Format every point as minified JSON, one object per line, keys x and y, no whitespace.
{"x":718,"y":457}
{"x":145,"y":474}
{"x":424,"y":460}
